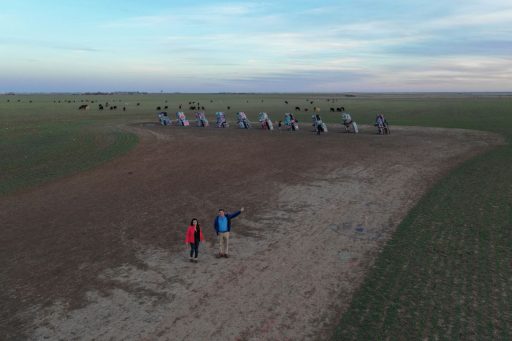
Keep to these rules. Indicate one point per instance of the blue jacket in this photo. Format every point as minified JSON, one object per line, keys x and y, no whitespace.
{"x":229,"y":217}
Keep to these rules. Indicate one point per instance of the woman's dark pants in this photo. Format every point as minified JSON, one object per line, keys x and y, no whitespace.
{"x":194,"y":249}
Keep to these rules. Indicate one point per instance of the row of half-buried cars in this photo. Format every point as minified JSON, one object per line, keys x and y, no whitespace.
{"x":289,"y":122}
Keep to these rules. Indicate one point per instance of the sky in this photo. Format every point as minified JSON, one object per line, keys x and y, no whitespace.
{"x":255,"y":46}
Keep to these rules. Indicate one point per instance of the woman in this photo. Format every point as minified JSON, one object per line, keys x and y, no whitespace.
{"x":194,"y":237}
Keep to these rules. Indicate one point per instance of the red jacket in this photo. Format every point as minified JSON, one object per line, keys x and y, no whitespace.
{"x":190,"y":235}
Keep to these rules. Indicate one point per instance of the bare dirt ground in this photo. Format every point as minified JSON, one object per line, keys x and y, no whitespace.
{"x":101,"y":255}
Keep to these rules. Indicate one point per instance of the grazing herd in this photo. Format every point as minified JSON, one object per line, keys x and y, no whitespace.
{"x":194,"y":105}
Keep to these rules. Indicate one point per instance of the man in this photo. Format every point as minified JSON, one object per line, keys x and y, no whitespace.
{"x":223,"y":227}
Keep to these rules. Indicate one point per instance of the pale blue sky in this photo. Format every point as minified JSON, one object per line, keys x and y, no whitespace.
{"x":260,"y":46}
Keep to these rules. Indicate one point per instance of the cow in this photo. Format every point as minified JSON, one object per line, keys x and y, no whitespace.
{"x":332,"y":109}
{"x":338,"y":109}
{"x":83,"y":107}
{"x":100,"y":107}
{"x":297,"y":108}
{"x":166,"y":107}
{"x":306,"y":109}
{"x":202,"y":108}
{"x":311,"y":102}
{"x":124,"y":108}
{"x":158,"y":108}
{"x":192,"y":107}
{"x":138,"y":104}
{"x":286,"y":102}
{"x":229,"y":107}
{"x":180,"y":106}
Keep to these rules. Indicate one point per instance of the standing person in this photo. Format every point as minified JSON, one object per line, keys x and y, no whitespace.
{"x":223,"y":227}
{"x":194,"y":237}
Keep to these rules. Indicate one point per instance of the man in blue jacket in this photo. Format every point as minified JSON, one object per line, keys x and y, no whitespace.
{"x":222,"y":227}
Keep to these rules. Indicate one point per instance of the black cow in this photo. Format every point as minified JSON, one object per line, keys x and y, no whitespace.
{"x":297,"y":108}
{"x":192,"y":107}
{"x":286,"y":102}
{"x":158,"y":108}
{"x":332,"y":109}
{"x":124,"y":108}
{"x":166,"y":107}
{"x":229,"y":107}
{"x":83,"y":107}
{"x":100,"y":107}
{"x":180,"y":106}
{"x":138,"y":104}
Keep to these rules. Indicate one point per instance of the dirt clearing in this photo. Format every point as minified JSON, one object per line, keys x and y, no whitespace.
{"x":102,"y":255}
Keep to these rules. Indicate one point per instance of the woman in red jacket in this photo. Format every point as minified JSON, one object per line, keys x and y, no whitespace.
{"x":194,"y":237}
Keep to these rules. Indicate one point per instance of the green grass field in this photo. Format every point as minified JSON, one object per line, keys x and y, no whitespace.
{"x":447,"y":271}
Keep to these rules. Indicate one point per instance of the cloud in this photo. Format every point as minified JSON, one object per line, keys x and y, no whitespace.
{"x":31,"y":44}
{"x":190,"y":15}
{"x":468,"y":22}
{"x":140,"y":21}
